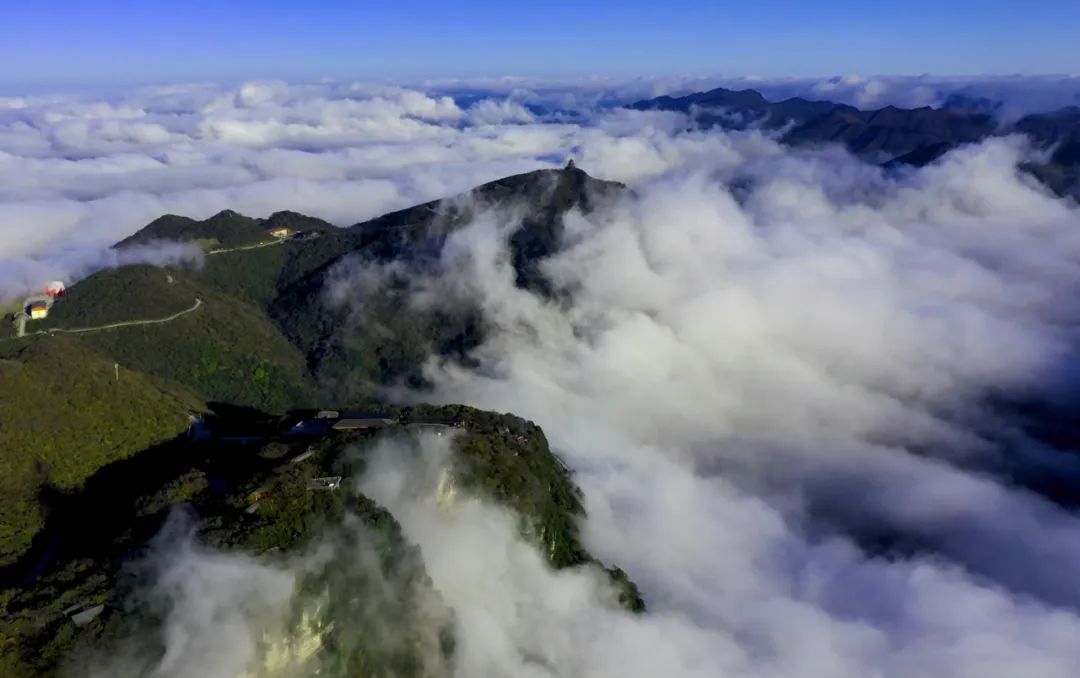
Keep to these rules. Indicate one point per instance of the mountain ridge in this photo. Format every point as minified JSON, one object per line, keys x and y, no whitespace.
{"x":232,"y":363}
{"x":256,"y":331}
{"x":890,"y":136}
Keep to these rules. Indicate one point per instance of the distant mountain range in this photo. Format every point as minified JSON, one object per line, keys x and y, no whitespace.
{"x":891,"y":136}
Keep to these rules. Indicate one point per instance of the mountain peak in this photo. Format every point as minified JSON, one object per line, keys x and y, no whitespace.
{"x":228,"y":214}
{"x":226,"y":228}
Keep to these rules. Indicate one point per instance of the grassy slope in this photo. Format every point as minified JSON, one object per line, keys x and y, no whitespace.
{"x":63,"y":416}
{"x":118,"y":294}
{"x":227,"y":350}
{"x":259,"y":275}
{"x":248,"y":274}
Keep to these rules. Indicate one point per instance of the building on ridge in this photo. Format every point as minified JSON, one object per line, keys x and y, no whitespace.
{"x":38,"y":310}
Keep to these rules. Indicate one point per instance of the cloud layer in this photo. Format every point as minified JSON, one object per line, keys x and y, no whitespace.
{"x":78,"y":173}
{"x":780,"y":408}
{"x":777,"y":374}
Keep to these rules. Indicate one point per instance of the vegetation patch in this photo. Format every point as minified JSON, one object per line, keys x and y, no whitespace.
{"x":64,"y":415}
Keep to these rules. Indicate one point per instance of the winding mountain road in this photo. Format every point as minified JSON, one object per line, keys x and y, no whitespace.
{"x":21,"y":321}
{"x":97,"y":328}
{"x":127,"y":323}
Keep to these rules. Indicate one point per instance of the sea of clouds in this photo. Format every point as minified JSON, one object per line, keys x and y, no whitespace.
{"x":79,"y":172}
{"x":779,"y":408}
{"x":777,"y":374}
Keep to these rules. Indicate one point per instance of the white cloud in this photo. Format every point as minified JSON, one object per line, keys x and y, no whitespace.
{"x":87,"y":173}
{"x":769,"y":360}
{"x":748,"y":390}
{"x":493,"y":112}
{"x":213,"y":609}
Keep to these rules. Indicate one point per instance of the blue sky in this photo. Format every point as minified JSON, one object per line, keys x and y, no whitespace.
{"x":56,"y":42}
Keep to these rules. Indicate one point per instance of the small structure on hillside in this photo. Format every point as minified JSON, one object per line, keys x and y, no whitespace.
{"x":282,"y":232}
{"x":328,"y":414}
{"x":55,"y":289}
{"x":259,"y":493}
{"x":307,"y":454}
{"x":38,"y":310}
{"x":327,"y":483}
{"x":81,"y":616}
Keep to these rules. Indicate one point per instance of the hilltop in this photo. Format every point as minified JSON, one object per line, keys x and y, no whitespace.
{"x":349,"y":356}
{"x":225,"y":229}
{"x":252,"y":324}
{"x":260,"y":498}
{"x":890,"y":135}
{"x":150,"y":388}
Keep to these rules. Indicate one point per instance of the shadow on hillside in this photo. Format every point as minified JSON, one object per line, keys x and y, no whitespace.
{"x":101,"y":520}
{"x":88,"y":521}
{"x":239,"y":420}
